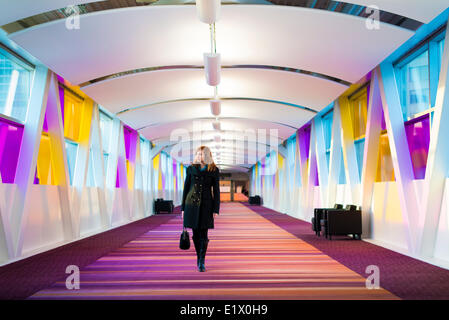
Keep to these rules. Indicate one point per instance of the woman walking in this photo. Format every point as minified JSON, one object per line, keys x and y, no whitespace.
{"x":201,"y":200}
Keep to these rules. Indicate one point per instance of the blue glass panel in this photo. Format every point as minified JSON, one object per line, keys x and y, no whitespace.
{"x":327,"y":127}
{"x":342,"y":178}
{"x":106,"y":129}
{"x":90,"y":179}
{"x":15,"y":86}
{"x":359,"y":146}
{"x":71,"y":149}
{"x":413,"y":84}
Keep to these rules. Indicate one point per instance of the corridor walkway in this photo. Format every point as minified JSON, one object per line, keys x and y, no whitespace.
{"x":249,"y":257}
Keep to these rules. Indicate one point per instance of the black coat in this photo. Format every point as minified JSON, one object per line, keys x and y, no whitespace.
{"x":199,"y":203}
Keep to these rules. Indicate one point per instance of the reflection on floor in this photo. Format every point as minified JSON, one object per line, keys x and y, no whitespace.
{"x":226,"y":197}
{"x":249,"y":257}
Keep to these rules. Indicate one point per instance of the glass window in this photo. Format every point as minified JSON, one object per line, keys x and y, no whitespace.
{"x":10,"y":142}
{"x":385,"y":171}
{"x":327,"y":127}
{"x":413,"y":85}
{"x":106,"y":129}
{"x":15,"y":87}
{"x":418,"y":137}
{"x":45,"y":174}
{"x":73,"y":107}
{"x":90,"y":179}
{"x":440,"y":54}
{"x":342,"y":177}
{"x":71,"y":149}
{"x":359,"y":149}
{"x":144,"y":158}
{"x":359,"y":107}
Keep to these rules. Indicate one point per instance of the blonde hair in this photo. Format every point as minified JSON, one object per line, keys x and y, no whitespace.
{"x":208,"y":158}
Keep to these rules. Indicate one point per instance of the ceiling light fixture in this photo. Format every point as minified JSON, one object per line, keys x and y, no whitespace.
{"x":212,"y":67}
{"x":215,"y":107}
{"x":216,"y":125}
{"x":208,"y":10}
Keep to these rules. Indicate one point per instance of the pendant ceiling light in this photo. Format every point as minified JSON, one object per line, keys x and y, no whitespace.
{"x":215,"y":107}
{"x":208,"y":10}
{"x":216,"y":125}
{"x":212,"y":66}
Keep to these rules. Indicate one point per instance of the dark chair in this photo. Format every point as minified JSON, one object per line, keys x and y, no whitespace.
{"x":163,"y":205}
{"x":342,"y":222}
{"x":254,"y":200}
{"x":318,"y":215}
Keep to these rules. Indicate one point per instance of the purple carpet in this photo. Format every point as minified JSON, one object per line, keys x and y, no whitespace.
{"x":403,"y":276}
{"x":23,"y":278}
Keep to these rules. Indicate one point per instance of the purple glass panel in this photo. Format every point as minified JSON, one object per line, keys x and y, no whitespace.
{"x":418,"y":137}
{"x":36,"y":179}
{"x":306,"y":137}
{"x":45,"y":127}
{"x":117,"y":180}
{"x":128,"y":133}
{"x":61,"y":99}
{"x":383,"y":125}
{"x":10,"y":142}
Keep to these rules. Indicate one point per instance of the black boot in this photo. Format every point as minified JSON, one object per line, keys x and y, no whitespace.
{"x":203,"y":247}
{"x":197,"y":249}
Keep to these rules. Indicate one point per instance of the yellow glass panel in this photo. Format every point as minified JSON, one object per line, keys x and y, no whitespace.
{"x":159,"y":185}
{"x":358,"y":107}
{"x":385,"y":170}
{"x":130,"y":174}
{"x":156,"y":162}
{"x":280,"y":161}
{"x":73,"y":107}
{"x":44,"y":167}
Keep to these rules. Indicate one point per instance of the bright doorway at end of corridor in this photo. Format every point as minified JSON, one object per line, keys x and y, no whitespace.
{"x":233,"y":189}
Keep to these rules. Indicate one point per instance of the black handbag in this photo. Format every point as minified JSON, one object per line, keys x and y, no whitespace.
{"x":184,"y":242}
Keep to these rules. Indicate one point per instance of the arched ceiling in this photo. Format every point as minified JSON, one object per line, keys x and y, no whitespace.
{"x":281,"y":64}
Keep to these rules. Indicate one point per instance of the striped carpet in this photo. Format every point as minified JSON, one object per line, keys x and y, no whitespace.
{"x":248,"y":258}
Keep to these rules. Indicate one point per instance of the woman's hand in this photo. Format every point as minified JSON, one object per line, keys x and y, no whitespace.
{"x":215,"y":215}
{"x":182,"y":215}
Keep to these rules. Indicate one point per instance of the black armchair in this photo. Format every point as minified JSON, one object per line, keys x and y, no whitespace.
{"x":342,"y":222}
{"x":163,"y":205}
{"x":255,"y":200}
{"x":318,"y":214}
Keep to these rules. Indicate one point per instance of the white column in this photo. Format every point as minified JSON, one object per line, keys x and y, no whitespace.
{"x":334,"y":157}
{"x":371,"y":151}
{"x":400,"y":152}
{"x":437,"y":161}
{"x":59,"y":155}
{"x":99,"y":166}
{"x":27,"y":160}
{"x":323,"y":170}
{"x":349,"y":152}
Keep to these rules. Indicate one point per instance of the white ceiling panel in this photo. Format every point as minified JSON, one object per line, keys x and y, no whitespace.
{"x":139,"y":89}
{"x":300,"y":38}
{"x":161,"y":114}
{"x":13,"y":10}
{"x":166,"y":133}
